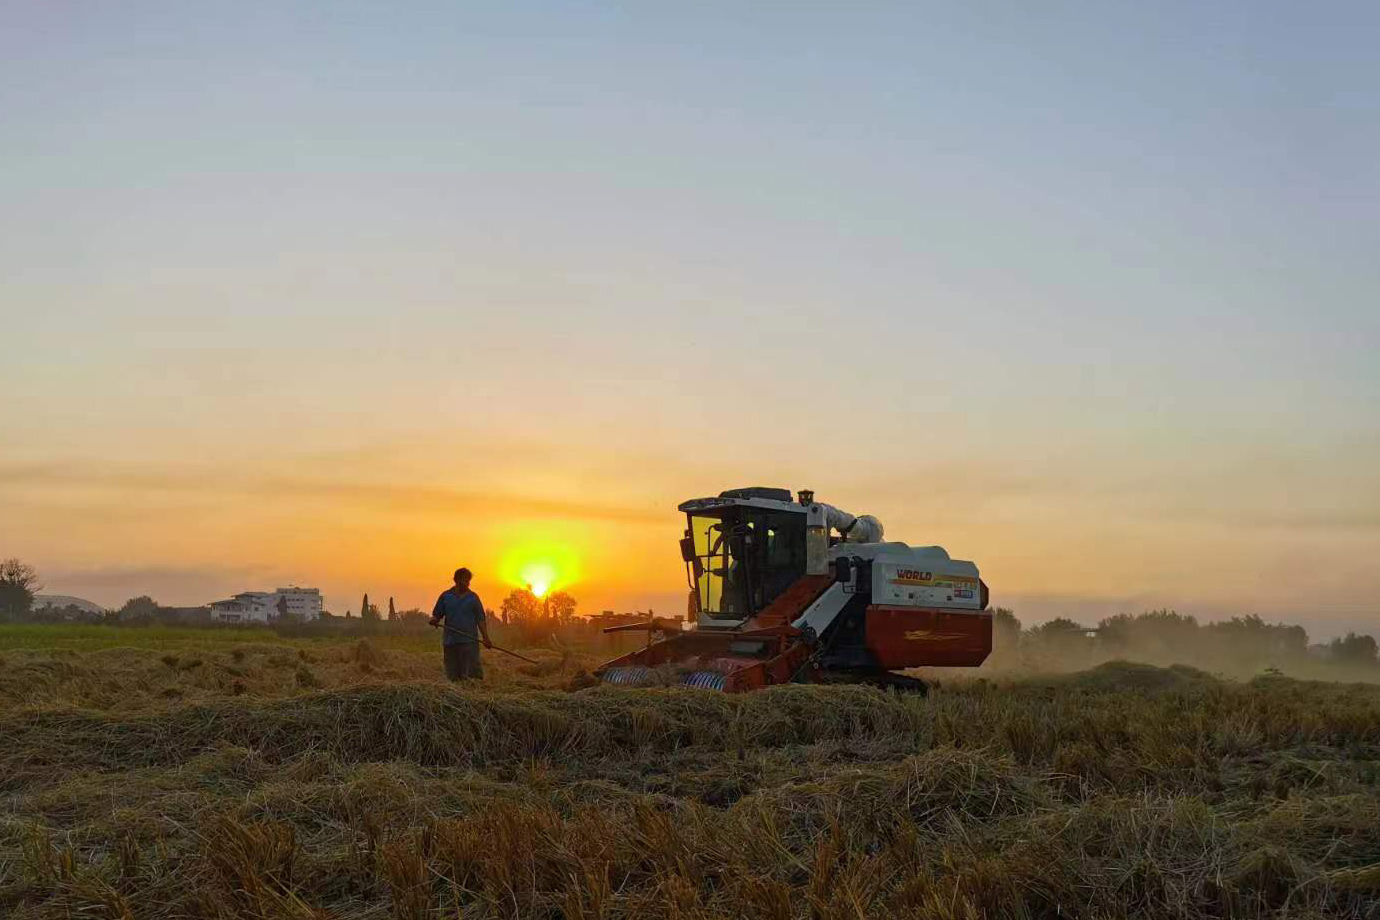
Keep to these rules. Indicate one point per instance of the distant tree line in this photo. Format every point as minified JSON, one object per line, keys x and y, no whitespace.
{"x":1240,"y":645}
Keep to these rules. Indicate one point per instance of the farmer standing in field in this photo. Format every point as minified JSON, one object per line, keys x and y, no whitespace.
{"x":462,"y":615}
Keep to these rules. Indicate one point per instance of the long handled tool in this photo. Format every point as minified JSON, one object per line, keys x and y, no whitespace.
{"x":496,"y":648}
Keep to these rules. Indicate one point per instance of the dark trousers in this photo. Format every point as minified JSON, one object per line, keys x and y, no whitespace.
{"x":462,"y":661}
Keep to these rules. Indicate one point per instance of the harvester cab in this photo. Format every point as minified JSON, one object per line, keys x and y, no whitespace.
{"x":744,"y":549}
{"x":787,"y":589}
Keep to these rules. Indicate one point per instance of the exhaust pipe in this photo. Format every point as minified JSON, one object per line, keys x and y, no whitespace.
{"x":820,"y":519}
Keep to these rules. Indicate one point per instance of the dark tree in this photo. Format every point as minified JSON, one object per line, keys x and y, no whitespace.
{"x":1006,"y":629}
{"x":413,"y":617}
{"x":521,"y":604}
{"x":142,"y":607}
{"x":561,"y":605}
{"x":1354,"y":649}
{"x":18,"y":584}
{"x":1059,"y":626}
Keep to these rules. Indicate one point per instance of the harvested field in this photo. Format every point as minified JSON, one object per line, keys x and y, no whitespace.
{"x":370,"y":789}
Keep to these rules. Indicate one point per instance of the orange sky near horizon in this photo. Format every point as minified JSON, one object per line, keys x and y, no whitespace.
{"x":1088,"y":540}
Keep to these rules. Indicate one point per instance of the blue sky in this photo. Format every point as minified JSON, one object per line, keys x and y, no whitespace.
{"x":1103,"y":272}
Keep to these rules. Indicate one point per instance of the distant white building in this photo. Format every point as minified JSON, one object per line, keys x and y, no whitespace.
{"x":245,"y":607}
{"x":298,"y":603}
{"x":231,"y":611}
{"x":267,"y":606}
{"x":227,"y":612}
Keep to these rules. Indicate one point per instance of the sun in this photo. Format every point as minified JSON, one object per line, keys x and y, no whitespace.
{"x":542,"y":565}
{"x":540,"y":576}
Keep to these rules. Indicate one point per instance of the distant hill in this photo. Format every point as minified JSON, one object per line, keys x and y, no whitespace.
{"x":62,"y":600}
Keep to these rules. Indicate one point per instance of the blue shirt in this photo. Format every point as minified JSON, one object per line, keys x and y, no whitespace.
{"x":462,"y":611}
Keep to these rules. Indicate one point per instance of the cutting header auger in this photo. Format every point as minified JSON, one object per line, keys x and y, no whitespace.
{"x":791,"y":590}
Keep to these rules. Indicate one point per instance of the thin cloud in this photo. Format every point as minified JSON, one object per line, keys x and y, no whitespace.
{"x":441,"y":500}
{"x":421,"y":499}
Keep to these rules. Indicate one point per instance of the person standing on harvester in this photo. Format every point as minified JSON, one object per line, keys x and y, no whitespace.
{"x":459,"y":610}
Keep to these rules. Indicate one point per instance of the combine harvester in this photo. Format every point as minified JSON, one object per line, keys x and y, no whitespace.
{"x":778,"y":598}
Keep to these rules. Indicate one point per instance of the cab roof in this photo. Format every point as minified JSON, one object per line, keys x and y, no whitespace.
{"x":729,"y":500}
{"x":780,"y":495}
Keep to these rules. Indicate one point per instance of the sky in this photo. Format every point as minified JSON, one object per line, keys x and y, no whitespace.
{"x":347,"y":294}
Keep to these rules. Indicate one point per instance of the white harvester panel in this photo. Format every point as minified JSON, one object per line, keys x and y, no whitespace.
{"x":917,"y":576}
{"x":924,"y":584}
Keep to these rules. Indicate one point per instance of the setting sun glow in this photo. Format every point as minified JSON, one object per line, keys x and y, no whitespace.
{"x":539,"y":576}
{"x":541,"y":565}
